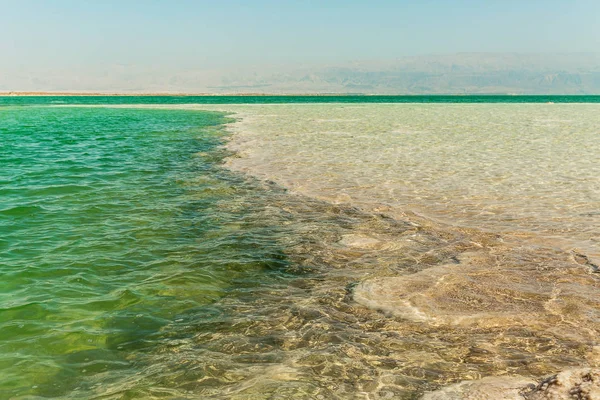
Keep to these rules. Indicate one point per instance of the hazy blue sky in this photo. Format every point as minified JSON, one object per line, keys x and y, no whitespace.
{"x":216,"y":33}
{"x":199,"y":45}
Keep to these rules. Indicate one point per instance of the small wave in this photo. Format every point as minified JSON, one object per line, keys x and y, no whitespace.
{"x":56,"y":190}
{"x":22,"y":211}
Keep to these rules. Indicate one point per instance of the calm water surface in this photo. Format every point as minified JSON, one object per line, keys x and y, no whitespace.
{"x":526,"y":168}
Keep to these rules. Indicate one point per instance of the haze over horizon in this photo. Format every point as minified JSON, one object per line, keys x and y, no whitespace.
{"x":310,"y":47}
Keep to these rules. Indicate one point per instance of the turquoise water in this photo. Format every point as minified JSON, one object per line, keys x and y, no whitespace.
{"x":41,"y":100}
{"x":114,"y":235}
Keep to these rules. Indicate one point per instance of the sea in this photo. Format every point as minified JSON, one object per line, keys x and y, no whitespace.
{"x":306,"y":247}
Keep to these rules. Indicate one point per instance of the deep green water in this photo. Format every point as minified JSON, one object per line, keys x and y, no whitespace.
{"x":117,"y":228}
{"x":45,"y":100}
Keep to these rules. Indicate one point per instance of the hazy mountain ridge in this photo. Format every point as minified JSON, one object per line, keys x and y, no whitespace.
{"x":577,"y":73}
{"x":460,"y":73}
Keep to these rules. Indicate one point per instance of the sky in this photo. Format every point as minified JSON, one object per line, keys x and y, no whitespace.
{"x":44,"y":35}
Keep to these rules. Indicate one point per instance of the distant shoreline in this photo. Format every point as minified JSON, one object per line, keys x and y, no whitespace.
{"x":167,"y":94}
{"x":131,"y":94}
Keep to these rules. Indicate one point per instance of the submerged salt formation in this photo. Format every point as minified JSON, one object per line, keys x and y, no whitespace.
{"x":572,"y":384}
{"x":510,"y":168}
{"x":580,"y":384}
{"x":506,"y":169}
{"x":494,"y":287}
{"x":490,"y":388}
{"x":504,"y":187}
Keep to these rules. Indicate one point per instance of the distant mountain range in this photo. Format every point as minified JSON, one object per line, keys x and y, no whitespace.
{"x":475,"y":73}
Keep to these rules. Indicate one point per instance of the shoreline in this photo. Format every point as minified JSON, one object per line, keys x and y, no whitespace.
{"x":261,"y":94}
{"x":180,"y":94}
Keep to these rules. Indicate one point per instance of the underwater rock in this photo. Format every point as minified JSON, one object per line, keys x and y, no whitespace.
{"x":490,"y":388}
{"x":493,"y":288}
{"x":570,"y":384}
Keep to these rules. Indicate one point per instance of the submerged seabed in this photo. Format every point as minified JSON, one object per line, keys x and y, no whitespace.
{"x":497,"y":260}
{"x":327,"y":284}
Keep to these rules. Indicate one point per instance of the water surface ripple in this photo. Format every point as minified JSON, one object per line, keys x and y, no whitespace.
{"x":112,"y":237}
{"x":135,"y":265}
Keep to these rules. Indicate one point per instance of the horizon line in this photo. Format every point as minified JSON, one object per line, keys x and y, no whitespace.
{"x":250,"y":94}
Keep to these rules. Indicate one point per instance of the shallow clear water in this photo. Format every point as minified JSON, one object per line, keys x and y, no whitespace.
{"x":136,"y":265}
{"x":530,"y":169}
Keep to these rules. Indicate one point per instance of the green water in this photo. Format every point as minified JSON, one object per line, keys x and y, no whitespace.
{"x":291,"y":99}
{"x":113,"y":236}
